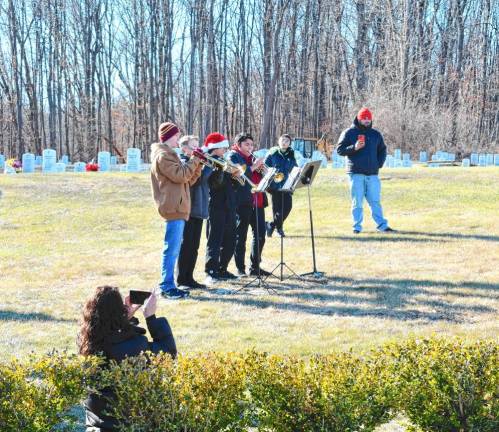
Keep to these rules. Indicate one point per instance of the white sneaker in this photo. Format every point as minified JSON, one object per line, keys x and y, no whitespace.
{"x":211,"y":280}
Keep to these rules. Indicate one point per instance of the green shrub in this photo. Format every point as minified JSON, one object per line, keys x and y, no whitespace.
{"x":37,"y":395}
{"x":447,"y":385}
{"x":202,"y":393}
{"x":339,"y":392}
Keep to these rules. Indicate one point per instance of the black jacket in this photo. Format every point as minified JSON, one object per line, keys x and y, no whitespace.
{"x":283,"y":162}
{"x":222,"y":190}
{"x":244,"y":195}
{"x":121,"y":346}
{"x":369,"y":159}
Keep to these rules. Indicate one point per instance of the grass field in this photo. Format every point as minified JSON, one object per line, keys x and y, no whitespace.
{"x":62,"y":235}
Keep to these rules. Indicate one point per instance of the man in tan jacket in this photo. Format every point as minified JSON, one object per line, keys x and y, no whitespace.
{"x":170,"y":181}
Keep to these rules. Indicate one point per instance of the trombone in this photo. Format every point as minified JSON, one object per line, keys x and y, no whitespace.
{"x":235,"y":170}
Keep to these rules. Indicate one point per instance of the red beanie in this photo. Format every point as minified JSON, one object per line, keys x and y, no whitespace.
{"x":166,"y":131}
{"x":364,"y":114}
{"x":215,"y":140}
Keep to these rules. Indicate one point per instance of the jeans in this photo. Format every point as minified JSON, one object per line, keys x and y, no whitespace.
{"x":368,"y":186}
{"x":171,"y":249}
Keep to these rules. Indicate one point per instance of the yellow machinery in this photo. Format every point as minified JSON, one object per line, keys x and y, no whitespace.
{"x":306,"y":146}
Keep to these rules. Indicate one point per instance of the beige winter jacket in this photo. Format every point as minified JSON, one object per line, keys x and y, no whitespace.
{"x":170,"y":181}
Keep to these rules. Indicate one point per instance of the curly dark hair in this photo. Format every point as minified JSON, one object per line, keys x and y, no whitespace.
{"x":104,"y":315}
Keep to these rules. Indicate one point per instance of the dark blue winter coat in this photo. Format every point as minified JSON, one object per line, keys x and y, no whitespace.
{"x":369,"y":159}
{"x":124,"y":344}
{"x":284,"y":162}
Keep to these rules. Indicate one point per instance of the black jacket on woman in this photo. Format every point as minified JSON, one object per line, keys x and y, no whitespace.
{"x":121,"y":345}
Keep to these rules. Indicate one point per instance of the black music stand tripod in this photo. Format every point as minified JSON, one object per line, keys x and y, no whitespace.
{"x":307,"y":175}
{"x":259,"y":281}
{"x":285,"y":189}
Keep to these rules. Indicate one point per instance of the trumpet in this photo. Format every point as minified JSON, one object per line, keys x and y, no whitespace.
{"x":264,"y":169}
{"x":236,"y":171}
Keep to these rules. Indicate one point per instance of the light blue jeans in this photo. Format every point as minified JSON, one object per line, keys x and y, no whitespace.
{"x":369,"y":187}
{"x":171,"y":249}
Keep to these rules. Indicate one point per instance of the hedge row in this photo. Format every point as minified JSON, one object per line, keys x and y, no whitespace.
{"x":440,"y":385}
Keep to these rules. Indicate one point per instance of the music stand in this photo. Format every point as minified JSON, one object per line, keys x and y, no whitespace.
{"x":306,"y":177}
{"x":288,"y":187}
{"x":261,"y":187}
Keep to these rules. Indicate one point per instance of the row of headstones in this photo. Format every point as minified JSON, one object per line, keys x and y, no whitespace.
{"x":48,"y":162}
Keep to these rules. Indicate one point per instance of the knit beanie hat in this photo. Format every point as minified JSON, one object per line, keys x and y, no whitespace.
{"x":166,"y":131}
{"x":364,"y":114}
{"x":215,"y":140}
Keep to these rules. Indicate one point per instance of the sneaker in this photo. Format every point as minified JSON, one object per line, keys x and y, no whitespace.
{"x":356,"y":231}
{"x":388,"y":230}
{"x":226,"y":275}
{"x":174,"y":294}
{"x":269,"y":228}
{"x":280,"y":232}
{"x":211,"y":280}
{"x":194,"y":285}
{"x":254,"y":272}
{"x":241,"y":273}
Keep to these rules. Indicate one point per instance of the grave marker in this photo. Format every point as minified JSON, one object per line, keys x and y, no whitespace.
{"x":133,"y":161}
{"x":49,"y":158}
{"x":28,"y":162}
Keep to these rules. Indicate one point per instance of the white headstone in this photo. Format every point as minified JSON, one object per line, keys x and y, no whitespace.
{"x":114,"y":160}
{"x":390,"y":161}
{"x":28,"y":163}
{"x":482,"y":160}
{"x":261,"y":153}
{"x":406,"y":163}
{"x":2,"y":162}
{"x":423,"y":156}
{"x":133,"y":162}
{"x":104,"y":161}
{"x":451,"y":157}
{"x":79,"y":167}
{"x":406,"y":157}
{"x":64,"y":159}
{"x":60,"y":167}
{"x":490,"y":159}
{"x":496,"y":159}
{"x":397,"y":154}
{"x":466,"y":162}
{"x":49,"y":160}
{"x":474,"y":159}
{"x":9,"y":170}
{"x":38,"y":161}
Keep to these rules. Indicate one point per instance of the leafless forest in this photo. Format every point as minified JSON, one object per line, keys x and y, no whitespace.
{"x":82,"y":76}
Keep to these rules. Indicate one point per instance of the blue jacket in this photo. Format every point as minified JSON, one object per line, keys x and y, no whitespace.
{"x":369,"y":159}
{"x":244,"y":195}
{"x":200,"y":193}
{"x":283,"y":162}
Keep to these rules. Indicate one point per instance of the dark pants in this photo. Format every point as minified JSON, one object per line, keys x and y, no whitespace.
{"x":221,"y":240}
{"x":282,"y":202}
{"x":189,"y":250}
{"x":247,"y":216}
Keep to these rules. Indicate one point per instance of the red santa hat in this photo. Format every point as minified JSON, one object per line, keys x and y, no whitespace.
{"x":215,"y":140}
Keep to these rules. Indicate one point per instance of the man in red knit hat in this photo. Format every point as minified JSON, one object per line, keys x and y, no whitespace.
{"x":170,"y":181}
{"x":366,"y":152}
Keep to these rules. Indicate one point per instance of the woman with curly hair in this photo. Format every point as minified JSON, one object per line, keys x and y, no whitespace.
{"x":109,"y":328}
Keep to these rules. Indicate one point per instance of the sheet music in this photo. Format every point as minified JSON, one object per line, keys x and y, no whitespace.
{"x":293,"y":177}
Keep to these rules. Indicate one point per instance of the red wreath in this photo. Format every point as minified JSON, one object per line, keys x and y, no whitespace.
{"x":91,"y":167}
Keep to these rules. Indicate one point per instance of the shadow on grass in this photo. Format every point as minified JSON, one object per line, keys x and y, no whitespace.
{"x":7,"y":315}
{"x":398,"y":299}
{"x":403,"y":236}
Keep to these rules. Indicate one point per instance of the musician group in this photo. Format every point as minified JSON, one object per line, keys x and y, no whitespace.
{"x":217,"y":181}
